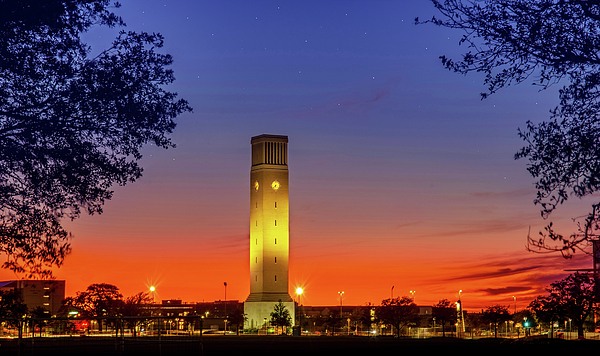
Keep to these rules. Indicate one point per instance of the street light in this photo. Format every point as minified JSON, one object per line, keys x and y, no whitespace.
{"x":299,"y":292}
{"x":152,"y":289}
{"x":341,"y":298}
{"x":461,"y":314}
{"x":412,"y":293}
{"x":225,"y":328}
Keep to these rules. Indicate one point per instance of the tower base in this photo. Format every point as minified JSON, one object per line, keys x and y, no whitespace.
{"x":259,"y":313}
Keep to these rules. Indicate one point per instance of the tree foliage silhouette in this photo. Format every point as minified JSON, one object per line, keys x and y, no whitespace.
{"x":99,"y":300}
{"x":71,"y":125}
{"x":237,"y":318}
{"x":444,"y":312}
{"x":135,"y":305}
{"x":574,"y":298}
{"x":496,"y":314}
{"x":12,"y":306}
{"x":280,"y":316}
{"x":547,"y":42}
{"x":399,"y":312}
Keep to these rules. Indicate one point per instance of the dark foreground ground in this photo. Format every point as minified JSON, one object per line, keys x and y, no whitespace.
{"x":289,"y":345}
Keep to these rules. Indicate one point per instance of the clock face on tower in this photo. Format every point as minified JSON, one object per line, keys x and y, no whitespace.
{"x":275,"y":185}
{"x":256,"y":186}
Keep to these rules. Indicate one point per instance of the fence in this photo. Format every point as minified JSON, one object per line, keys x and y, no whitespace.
{"x":101,"y":336}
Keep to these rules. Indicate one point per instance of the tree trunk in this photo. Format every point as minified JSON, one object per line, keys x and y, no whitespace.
{"x":580,"y":334}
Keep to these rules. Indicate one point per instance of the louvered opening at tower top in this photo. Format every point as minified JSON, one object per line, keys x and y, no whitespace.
{"x":269,"y":149}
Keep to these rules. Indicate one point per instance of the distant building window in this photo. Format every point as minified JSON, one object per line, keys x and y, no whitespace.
{"x":276,"y":241}
{"x":275,"y":205}
{"x":275,"y":222}
{"x":275,"y":278}
{"x":275,"y":259}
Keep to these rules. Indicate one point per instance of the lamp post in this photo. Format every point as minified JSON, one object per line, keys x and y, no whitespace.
{"x":299,"y":292}
{"x":341,"y":305}
{"x":392,"y":292}
{"x":412,"y":293}
{"x":152,"y":290}
{"x":225,"y":327}
{"x":515,"y":299}
{"x":266,"y":327}
{"x":460,"y":311}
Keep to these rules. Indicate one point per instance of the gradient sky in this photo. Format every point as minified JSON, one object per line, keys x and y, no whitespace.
{"x":399,"y":174}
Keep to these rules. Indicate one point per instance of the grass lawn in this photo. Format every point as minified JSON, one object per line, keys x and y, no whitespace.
{"x":290,"y":345}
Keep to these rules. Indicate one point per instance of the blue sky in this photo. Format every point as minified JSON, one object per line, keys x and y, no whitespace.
{"x":397,"y":168}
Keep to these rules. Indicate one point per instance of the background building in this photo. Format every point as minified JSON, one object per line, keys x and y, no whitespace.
{"x":47,"y":294}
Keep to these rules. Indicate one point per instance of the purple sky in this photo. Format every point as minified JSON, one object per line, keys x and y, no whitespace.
{"x":399,"y":174}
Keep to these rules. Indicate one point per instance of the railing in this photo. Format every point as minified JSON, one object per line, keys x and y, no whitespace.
{"x":124,"y":335}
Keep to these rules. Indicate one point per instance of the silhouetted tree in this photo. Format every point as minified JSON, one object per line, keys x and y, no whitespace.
{"x":398,"y":312}
{"x":358,"y":316}
{"x":237,"y":318}
{"x":574,"y":297}
{"x":444,"y":312}
{"x":280,"y":316}
{"x":71,"y":124}
{"x":12,"y":306}
{"x":546,"y":42}
{"x":527,"y":319}
{"x":40,"y":316}
{"x":367,"y":316}
{"x":135,"y":305}
{"x":496,"y":314}
{"x":12,"y":309}
{"x":97,"y":301}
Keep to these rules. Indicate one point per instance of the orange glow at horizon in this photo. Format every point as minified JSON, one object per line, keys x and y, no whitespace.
{"x":162,"y":242}
{"x":399,"y":175}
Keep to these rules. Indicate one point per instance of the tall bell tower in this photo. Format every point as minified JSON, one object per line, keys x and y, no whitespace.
{"x":269,"y":229}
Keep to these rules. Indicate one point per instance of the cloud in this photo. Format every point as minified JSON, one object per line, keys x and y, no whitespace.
{"x":352,"y":102}
{"x":508,"y":194}
{"x":503,"y":272}
{"x":356,"y":102}
{"x":529,"y":269}
{"x":504,"y":290}
{"x":480,"y":227}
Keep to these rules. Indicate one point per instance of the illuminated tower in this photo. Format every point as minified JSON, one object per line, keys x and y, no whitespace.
{"x":269,"y":229}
